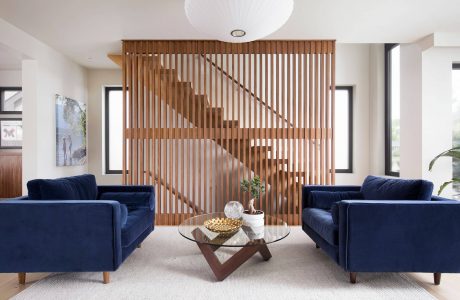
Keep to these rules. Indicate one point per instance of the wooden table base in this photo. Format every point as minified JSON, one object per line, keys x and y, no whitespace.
{"x":222,"y":270}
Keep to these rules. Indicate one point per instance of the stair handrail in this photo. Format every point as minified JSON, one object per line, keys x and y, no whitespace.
{"x":246,"y":90}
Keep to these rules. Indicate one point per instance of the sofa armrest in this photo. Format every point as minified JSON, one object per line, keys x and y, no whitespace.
{"x":307,"y":189}
{"x":399,"y":236}
{"x":59,"y":236}
{"x":132,"y":195}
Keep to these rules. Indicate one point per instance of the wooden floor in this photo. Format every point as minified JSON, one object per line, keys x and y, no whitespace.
{"x":448,"y":290}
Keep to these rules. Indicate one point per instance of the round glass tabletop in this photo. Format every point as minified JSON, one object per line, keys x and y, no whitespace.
{"x":273,"y":231}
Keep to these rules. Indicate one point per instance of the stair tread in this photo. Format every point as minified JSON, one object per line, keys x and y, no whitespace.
{"x":261,"y":148}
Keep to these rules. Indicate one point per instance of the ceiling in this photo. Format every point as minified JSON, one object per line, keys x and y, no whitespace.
{"x":86,"y":30}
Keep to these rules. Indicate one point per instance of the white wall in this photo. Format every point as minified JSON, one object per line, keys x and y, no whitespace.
{"x":377,"y":110}
{"x":353,"y":68}
{"x":437,"y":112}
{"x":97,"y":80}
{"x":45,"y":73}
{"x":411,"y":111}
{"x":426,"y":110}
{"x":10,"y":78}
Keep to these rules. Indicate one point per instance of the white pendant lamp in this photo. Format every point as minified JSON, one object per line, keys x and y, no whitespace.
{"x":238,"y":21}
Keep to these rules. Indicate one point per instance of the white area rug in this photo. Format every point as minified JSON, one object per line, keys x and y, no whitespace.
{"x":171,"y":267}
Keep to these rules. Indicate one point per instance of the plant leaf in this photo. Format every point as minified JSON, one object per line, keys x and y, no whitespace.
{"x":454,"y":153}
{"x":445,"y":184}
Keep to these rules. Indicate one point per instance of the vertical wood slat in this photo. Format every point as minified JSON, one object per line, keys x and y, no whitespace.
{"x":238,"y":145}
{"x":227,"y":140}
{"x":277,"y":153}
{"x":187,"y":101}
{"x":244,"y":175}
{"x":333,"y":114}
{"x":125,"y":69}
{"x":255,"y":91}
{"x":169,"y":158}
{"x":205,"y":132}
{"x":135,"y":115}
{"x":283,"y":140}
{"x":141,"y":110}
{"x":154,"y":73}
{"x":148,"y":88}
{"x":212,"y":130}
{"x":267,"y":97}
{"x":223,"y":161}
{"x":194,"y":114}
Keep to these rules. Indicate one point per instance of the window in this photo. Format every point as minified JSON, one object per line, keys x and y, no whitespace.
{"x":392,"y":109}
{"x":10,"y":100}
{"x":344,"y":129}
{"x":113,"y":130}
{"x":456,"y":122}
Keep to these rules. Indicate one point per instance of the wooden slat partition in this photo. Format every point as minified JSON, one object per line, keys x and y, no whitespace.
{"x":200,"y":116}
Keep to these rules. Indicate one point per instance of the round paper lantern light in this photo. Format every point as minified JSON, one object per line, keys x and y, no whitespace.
{"x":238,"y":21}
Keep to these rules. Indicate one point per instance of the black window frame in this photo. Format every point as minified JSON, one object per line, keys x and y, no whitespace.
{"x":455,"y":66}
{"x":388,"y":144}
{"x":107,"y":91}
{"x":2,"y":90}
{"x":348,"y":88}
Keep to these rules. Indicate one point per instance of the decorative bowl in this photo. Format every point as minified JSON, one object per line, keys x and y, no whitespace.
{"x":223,"y":225}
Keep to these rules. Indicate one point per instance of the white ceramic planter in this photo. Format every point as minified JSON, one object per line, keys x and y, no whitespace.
{"x":255,"y":233}
{"x":256,"y":220}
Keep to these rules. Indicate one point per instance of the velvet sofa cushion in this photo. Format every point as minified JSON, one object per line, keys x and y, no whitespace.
{"x":321,"y":222}
{"x":123,"y":214}
{"x":324,"y":200}
{"x":379,"y":188}
{"x":137,"y":222}
{"x":335,"y":213}
{"x":82,"y":187}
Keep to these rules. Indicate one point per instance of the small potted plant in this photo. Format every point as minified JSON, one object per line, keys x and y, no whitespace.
{"x":253,"y":217}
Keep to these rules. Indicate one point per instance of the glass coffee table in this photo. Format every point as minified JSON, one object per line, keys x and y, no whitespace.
{"x":250,"y":240}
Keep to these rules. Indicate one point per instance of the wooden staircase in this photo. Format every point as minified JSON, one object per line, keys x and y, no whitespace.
{"x":262,"y":160}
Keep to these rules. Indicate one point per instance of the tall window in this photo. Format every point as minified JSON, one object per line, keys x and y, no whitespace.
{"x":113,"y":130}
{"x":392,"y":109}
{"x":344,"y":129}
{"x":456,"y":122}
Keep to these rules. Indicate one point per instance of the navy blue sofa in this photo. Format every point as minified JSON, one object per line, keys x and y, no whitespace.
{"x":72,"y":225}
{"x":385,"y":225}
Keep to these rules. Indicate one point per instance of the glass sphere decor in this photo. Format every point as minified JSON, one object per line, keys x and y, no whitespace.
{"x":233,"y":209}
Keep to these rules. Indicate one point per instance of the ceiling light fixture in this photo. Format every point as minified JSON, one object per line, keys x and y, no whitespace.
{"x":238,"y":21}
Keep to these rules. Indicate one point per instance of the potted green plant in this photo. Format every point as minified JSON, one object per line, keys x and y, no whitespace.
{"x":453,"y":153}
{"x":253,"y":217}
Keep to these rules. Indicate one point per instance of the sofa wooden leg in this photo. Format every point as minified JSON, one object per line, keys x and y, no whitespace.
{"x":353,"y":277}
{"x":317,"y":246}
{"x":106,"y":277}
{"x":437,"y":278}
{"x":22,"y":278}
{"x":139,"y":246}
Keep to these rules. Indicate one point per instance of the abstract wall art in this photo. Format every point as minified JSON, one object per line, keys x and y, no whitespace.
{"x":70,"y":132}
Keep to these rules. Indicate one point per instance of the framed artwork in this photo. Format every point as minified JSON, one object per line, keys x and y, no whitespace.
{"x":70,"y":132}
{"x":10,"y":100}
{"x":11,"y":133}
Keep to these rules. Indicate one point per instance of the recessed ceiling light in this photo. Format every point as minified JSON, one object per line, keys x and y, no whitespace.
{"x":238,"y":33}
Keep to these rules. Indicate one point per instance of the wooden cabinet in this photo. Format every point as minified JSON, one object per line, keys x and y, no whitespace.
{"x":10,"y":173}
